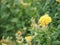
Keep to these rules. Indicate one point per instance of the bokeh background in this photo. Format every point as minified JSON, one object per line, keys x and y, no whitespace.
{"x":18,"y":15}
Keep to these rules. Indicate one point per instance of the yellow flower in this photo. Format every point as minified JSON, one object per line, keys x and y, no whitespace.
{"x":4,"y":44}
{"x":57,"y":0}
{"x":28,"y":38}
{"x":44,"y":20}
{"x":18,"y":41}
{"x":19,"y":33}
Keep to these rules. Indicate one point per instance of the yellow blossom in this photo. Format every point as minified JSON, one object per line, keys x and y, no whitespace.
{"x":19,"y":32}
{"x":44,"y":20}
{"x":57,"y":0}
{"x":28,"y":38}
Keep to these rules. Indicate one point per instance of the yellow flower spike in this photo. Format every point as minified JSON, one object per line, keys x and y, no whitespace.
{"x":28,"y":38}
{"x":44,"y":20}
{"x":58,"y":1}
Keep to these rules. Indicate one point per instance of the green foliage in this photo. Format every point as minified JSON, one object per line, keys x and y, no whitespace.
{"x":15,"y":16}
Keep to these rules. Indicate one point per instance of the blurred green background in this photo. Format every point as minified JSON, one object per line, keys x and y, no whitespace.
{"x":15,"y":16}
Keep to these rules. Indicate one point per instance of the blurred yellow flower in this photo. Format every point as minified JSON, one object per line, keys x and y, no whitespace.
{"x":4,"y":44}
{"x":18,"y":41}
{"x":28,"y":38}
{"x":44,"y":20}
{"x":57,"y":0}
{"x":19,"y":33}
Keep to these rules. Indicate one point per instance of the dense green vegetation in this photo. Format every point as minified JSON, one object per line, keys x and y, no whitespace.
{"x":23,"y":15}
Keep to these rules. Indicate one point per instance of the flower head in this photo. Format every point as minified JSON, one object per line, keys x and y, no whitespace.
{"x":19,"y":33}
{"x":28,"y":38}
{"x":44,"y":20}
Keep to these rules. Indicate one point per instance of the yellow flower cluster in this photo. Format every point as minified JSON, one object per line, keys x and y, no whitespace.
{"x":44,"y":20}
{"x":57,"y":0}
{"x":28,"y":38}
